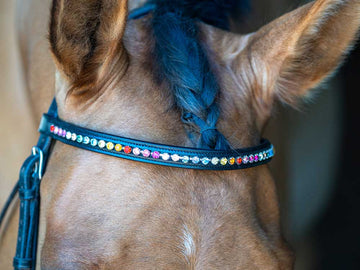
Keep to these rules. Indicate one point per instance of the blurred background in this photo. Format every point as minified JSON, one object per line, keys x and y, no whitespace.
{"x":318,"y":148}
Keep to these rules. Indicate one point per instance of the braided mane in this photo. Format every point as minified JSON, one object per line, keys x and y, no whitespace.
{"x":183,"y":63}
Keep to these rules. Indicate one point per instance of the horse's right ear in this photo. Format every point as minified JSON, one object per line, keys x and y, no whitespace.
{"x":85,"y":38}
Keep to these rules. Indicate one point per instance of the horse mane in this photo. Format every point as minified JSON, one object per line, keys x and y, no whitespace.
{"x":183,"y":64}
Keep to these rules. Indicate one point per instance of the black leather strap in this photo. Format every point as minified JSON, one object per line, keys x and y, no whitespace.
{"x":28,"y":187}
{"x":159,"y":154}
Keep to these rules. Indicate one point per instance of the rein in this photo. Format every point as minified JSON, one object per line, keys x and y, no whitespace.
{"x":54,"y":129}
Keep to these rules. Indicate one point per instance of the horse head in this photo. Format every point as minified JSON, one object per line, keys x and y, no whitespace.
{"x":174,"y":77}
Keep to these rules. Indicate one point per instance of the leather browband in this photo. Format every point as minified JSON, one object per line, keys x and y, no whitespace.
{"x":159,"y":154}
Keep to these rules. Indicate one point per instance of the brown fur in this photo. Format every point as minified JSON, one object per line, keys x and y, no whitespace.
{"x":99,"y":212}
{"x":87,"y":46}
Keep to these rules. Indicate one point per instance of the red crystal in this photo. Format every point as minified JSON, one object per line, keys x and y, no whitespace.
{"x":127,"y":149}
{"x":52,"y":128}
{"x":239,"y":160}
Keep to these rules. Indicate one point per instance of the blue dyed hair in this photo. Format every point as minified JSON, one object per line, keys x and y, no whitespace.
{"x":183,"y":63}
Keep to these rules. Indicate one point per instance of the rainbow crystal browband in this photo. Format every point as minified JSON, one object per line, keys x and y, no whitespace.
{"x":159,"y":154}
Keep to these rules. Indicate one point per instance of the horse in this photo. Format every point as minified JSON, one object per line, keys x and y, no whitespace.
{"x":117,"y":76}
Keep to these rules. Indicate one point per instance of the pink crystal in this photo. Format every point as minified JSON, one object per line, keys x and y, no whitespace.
{"x":146,"y":153}
{"x":155,"y":154}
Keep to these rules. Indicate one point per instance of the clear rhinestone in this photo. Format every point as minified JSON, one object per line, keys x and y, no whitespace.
{"x":93,"y":142}
{"x":56,"y":130}
{"x":86,"y":140}
{"x":195,"y":160}
{"x":175,"y":157}
{"x":185,"y":159}
{"x":261,"y":156}
{"x":73,"y":137}
{"x":165,"y":156}
{"x":68,"y":135}
{"x":101,"y":144}
{"x":136,"y":151}
{"x":205,"y":160}
{"x":215,"y":161}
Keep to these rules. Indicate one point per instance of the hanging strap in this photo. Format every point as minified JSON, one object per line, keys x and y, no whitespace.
{"x":28,"y":188}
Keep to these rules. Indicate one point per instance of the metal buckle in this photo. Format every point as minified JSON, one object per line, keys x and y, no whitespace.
{"x":40,"y":164}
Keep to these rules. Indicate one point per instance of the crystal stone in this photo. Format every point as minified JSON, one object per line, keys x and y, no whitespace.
{"x":86,"y":140}
{"x":175,"y":157}
{"x":110,"y":146}
{"x":136,"y":151}
{"x":215,"y":161}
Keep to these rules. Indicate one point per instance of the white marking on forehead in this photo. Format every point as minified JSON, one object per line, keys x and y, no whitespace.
{"x":189,"y":247}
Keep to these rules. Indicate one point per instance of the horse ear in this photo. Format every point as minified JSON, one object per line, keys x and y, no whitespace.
{"x":85,"y":38}
{"x":300,"y":49}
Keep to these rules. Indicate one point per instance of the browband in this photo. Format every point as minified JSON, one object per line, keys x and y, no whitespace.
{"x":159,"y":154}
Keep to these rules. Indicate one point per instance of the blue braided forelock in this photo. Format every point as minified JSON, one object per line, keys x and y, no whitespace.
{"x":185,"y":67}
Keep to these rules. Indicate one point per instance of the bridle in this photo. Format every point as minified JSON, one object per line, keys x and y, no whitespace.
{"x":52,"y":129}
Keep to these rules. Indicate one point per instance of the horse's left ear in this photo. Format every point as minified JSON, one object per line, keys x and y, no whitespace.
{"x":298,"y":50}
{"x":85,"y":39}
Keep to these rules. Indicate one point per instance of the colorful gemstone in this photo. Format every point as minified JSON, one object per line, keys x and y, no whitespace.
{"x":52,"y":128}
{"x":73,"y":137}
{"x":245,"y":159}
{"x":185,"y":159}
{"x":110,"y":146}
{"x":68,"y":135}
{"x":155,"y":154}
{"x":256,"y":158}
{"x":79,"y":138}
{"x":175,"y":157}
{"x":238,"y":160}
{"x":165,"y":156}
{"x":223,"y":161}
{"x":146,"y":153}
{"x":118,"y":147}
{"x":93,"y":142}
{"x":127,"y":149}
{"x":101,"y":144}
{"x":205,"y":160}
{"x":232,"y":161}
{"x":195,"y":160}
{"x":136,"y":151}
{"x":60,"y":132}
{"x":63,"y":133}
{"x":56,"y":130}
{"x":261,"y":156}
{"x":251,"y":158}
{"x":215,"y":161}
{"x":86,"y":140}
{"x":265,"y":155}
